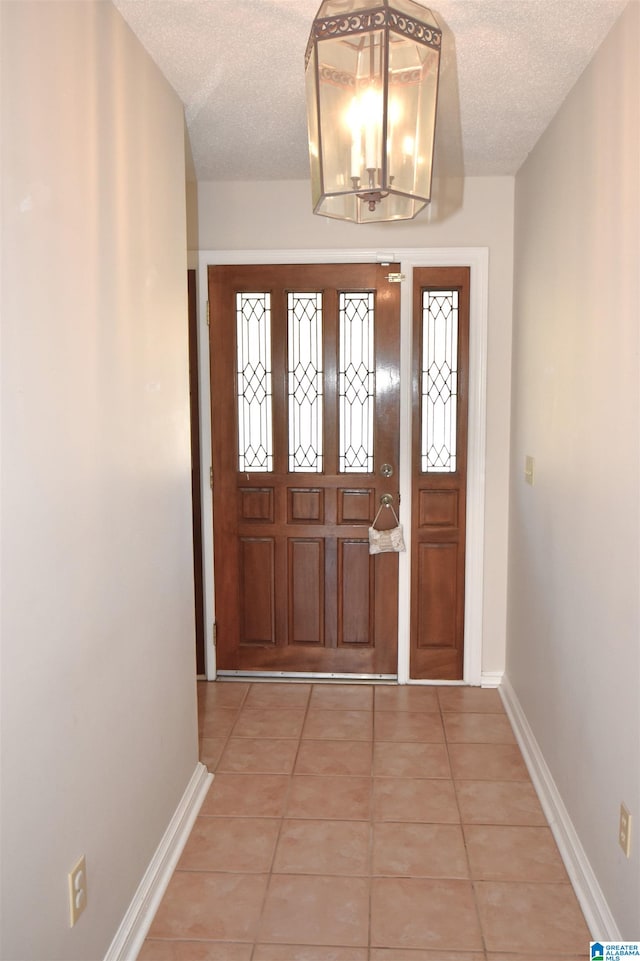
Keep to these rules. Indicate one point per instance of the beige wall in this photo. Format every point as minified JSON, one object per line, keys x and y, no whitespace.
{"x":573,"y":625}
{"x":98,"y":693}
{"x":277,"y":216}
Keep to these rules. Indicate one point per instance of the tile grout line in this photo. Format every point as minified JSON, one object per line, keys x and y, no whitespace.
{"x":282,"y":818}
{"x":395,"y":778}
{"x":464,"y":838}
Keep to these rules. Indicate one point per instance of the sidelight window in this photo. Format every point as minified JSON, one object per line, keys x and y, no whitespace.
{"x":439,"y":379}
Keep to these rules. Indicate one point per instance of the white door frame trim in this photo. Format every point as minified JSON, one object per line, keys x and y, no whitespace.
{"x":477,"y":258}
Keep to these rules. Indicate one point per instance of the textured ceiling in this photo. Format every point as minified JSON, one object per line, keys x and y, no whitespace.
{"x":238,"y":66}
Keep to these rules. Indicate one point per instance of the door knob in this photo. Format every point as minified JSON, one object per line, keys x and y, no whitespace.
{"x":386,"y":470}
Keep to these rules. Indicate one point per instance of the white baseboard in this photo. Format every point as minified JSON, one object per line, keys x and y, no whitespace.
{"x":598,"y":916}
{"x":140,"y":913}
{"x":491,"y":678}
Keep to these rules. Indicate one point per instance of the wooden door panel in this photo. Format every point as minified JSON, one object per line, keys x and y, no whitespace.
{"x":296,"y":588}
{"x":257,"y":579}
{"x":256,"y":504}
{"x":437,"y":575}
{"x":306,"y":590}
{"x":438,"y":508}
{"x":356,"y":506}
{"x":355,"y":617}
{"x":306,"y":506}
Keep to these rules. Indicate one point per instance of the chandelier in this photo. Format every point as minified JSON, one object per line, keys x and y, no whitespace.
{"x":372,"y":85}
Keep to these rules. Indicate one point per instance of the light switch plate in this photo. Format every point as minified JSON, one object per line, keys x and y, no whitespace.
{"x":529,"y":466}
{"x":624,"y":831}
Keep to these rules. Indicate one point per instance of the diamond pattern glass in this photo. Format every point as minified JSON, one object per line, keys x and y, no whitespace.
{"x":439,"y":376}
{"x":356,"y":382}
{"x":255,"y":427}
{"x":305,"y":381}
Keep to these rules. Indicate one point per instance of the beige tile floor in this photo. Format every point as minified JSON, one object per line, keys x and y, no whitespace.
{"x":365,"y":823}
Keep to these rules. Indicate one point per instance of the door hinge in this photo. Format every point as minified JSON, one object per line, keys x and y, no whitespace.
{"x":211,"y":478}
{"x":208,"y":319}
{"x":214,"y":634}
{"x":395,"y":278}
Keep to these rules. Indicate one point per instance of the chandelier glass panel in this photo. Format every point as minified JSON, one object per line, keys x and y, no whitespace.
{"x":372,"y":84}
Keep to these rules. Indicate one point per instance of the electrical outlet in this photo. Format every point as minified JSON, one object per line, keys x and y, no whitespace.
{"x":77,"y":890}
{"x":624,"y":831}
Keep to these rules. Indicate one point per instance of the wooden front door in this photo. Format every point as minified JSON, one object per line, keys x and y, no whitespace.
{"x":440,"y":416}
{"x":305,"y":438}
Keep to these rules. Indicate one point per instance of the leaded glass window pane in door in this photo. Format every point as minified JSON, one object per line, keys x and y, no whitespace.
{"x":439,"y":376}
{"x":305,"y":375}
{"x":255,"y":427}
{"x":356,"y":382}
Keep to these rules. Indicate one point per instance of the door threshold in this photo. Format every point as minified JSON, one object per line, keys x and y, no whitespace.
{"x":307,"y":676}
